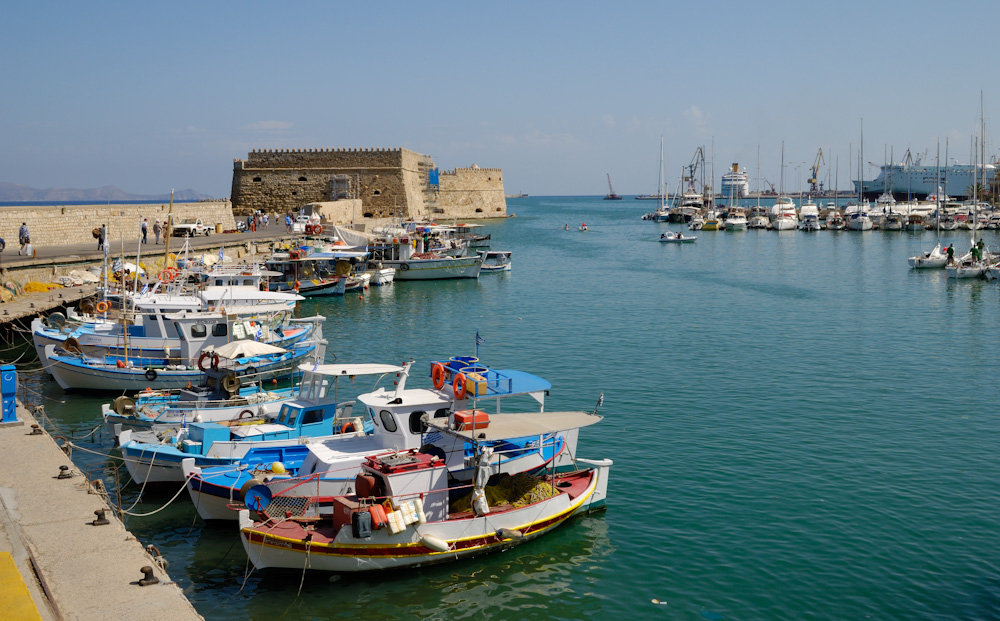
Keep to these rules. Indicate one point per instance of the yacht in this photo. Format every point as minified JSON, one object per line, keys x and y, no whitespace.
{"x":783,"y":216}
{"x":736,"y":219}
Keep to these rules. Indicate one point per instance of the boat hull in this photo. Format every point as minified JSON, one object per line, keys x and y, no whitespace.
{"x":437,"y":269}
{"x":277,"y":546}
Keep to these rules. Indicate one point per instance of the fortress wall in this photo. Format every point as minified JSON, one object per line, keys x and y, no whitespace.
{"x":388,"y":182}
{"x":472,"y":193}
{"x":72,"y":224}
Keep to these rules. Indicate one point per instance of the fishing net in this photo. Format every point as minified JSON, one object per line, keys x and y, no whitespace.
{"x":519,"y":490}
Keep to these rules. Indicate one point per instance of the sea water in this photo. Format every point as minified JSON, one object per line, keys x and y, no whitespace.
{"x":802,"y":427}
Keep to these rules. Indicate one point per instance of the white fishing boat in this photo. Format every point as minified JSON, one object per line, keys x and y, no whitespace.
{"x":809,"y":217}
{"x":398,"y":248}
{"x":420,"y":525}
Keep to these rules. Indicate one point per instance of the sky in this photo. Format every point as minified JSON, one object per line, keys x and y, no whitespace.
{"x":154,"y":96}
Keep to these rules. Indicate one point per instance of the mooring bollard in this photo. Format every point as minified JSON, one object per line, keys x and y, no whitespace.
{"x":8,"y":390}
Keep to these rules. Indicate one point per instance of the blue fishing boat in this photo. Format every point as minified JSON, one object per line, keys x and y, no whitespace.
{"x":465,"y":396}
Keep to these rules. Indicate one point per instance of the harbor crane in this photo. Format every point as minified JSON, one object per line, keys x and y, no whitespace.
{"x":692,"y":168}
{"x":814,"y":177}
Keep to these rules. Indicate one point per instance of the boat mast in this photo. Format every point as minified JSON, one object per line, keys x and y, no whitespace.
{"x":758,"y":179}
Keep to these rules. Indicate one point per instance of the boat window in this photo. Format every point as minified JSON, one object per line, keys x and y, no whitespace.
{"x":199,"y":330}
{"x":371,"y":415}
{"x":388,"y":421}
{"x":415,"y":425}
{"x":314,"y":415}
{"x":152,"y":318}
{"x":293,"y":415}
{"x":220,"y":329}
{"x":248,"y":281}
{"x":442,"y":413}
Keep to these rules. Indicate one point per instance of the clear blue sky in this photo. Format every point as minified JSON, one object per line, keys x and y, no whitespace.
{"x":154,"y":96}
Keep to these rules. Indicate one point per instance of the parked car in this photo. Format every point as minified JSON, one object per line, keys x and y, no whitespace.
{"x":190,"y":227}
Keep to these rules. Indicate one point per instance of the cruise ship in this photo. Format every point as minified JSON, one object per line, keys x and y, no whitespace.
{"x":917,"y":180}
{"x":735,"y":183}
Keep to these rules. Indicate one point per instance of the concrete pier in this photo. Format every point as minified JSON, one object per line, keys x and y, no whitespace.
{"x":72,"y":569}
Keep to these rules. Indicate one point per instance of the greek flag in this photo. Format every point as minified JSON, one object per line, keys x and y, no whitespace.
{"x":145,"y":289}
{"x":222,"y":257}
{"x":118,"y":265}
{"x":479,"y":340}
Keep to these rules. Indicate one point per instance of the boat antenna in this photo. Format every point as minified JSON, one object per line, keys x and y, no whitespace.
{"x":479,"y":341}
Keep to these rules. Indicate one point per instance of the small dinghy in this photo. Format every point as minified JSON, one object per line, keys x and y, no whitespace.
{"x":677,"y":238}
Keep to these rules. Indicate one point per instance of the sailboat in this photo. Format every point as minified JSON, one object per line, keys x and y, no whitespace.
{"x":936,"y":258}
{"x":783,"y":216}
{"x":662,"y":213}
{"x":973,"y":264}
{"x":860,"y":220}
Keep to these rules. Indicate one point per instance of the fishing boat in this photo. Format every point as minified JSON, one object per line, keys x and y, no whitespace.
{"x":394,"y":246}
{"x":495,"y":261}
{"x":225,"y":395}
{"x":405,"y":512}
{"x":835,"y":221}
{"x":203,"y":336}
{"x":464,"y":391}
{"x":677,"y":238}
{"x":315,"y":413}
{"x":933,"y":258}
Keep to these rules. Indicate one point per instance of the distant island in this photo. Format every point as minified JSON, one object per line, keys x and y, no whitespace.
{"x":16,"y":193}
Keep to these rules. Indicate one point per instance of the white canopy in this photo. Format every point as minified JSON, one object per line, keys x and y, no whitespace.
{"x":246,"y":348}
{"x":350,"y":369}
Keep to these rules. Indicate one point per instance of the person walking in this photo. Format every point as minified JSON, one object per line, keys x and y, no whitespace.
{"x":156,"y":231}
{"x":288,"y":223}
{"x":145,"y":229}
{"x":102,"y":237}
{"x":23,"y":237}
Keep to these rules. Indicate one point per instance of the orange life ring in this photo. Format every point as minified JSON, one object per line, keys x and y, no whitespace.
{"x":103,"y":306}
{"x":437,"y":375}
{"x":214,"y":363}
{"x":458,"y":385}
{"x":169,"y":274}
{"x":347,"y":427}
{"x":317,"y":229}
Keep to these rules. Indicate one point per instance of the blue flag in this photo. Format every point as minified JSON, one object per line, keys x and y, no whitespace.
{"x":221,"y":256}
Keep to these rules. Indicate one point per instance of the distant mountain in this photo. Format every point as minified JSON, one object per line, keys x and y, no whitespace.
{"x":13,"y":192}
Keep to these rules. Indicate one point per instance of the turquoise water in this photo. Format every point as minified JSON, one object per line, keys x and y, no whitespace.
{"x":802,"y":427}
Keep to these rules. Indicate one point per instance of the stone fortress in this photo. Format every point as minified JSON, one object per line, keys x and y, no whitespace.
{"x":383,"y":183}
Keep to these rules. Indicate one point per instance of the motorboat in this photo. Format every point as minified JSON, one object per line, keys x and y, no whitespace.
{"x":835,"y":221}
{"x":495,"y":261}
{"x":934,"y":258}
{"x":418,"y":526}
{"x":398,"y":248}
{"x":809,"y":217}
{"x":783,"y":216}
{"x":915,"y":223}
{"x":224,"y":395}
{"x":736,"y":219}
{"x":464,"y":392}
{"x":677,"y":238}
{"x":425,"y":519}
{"x":205,"y":338}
